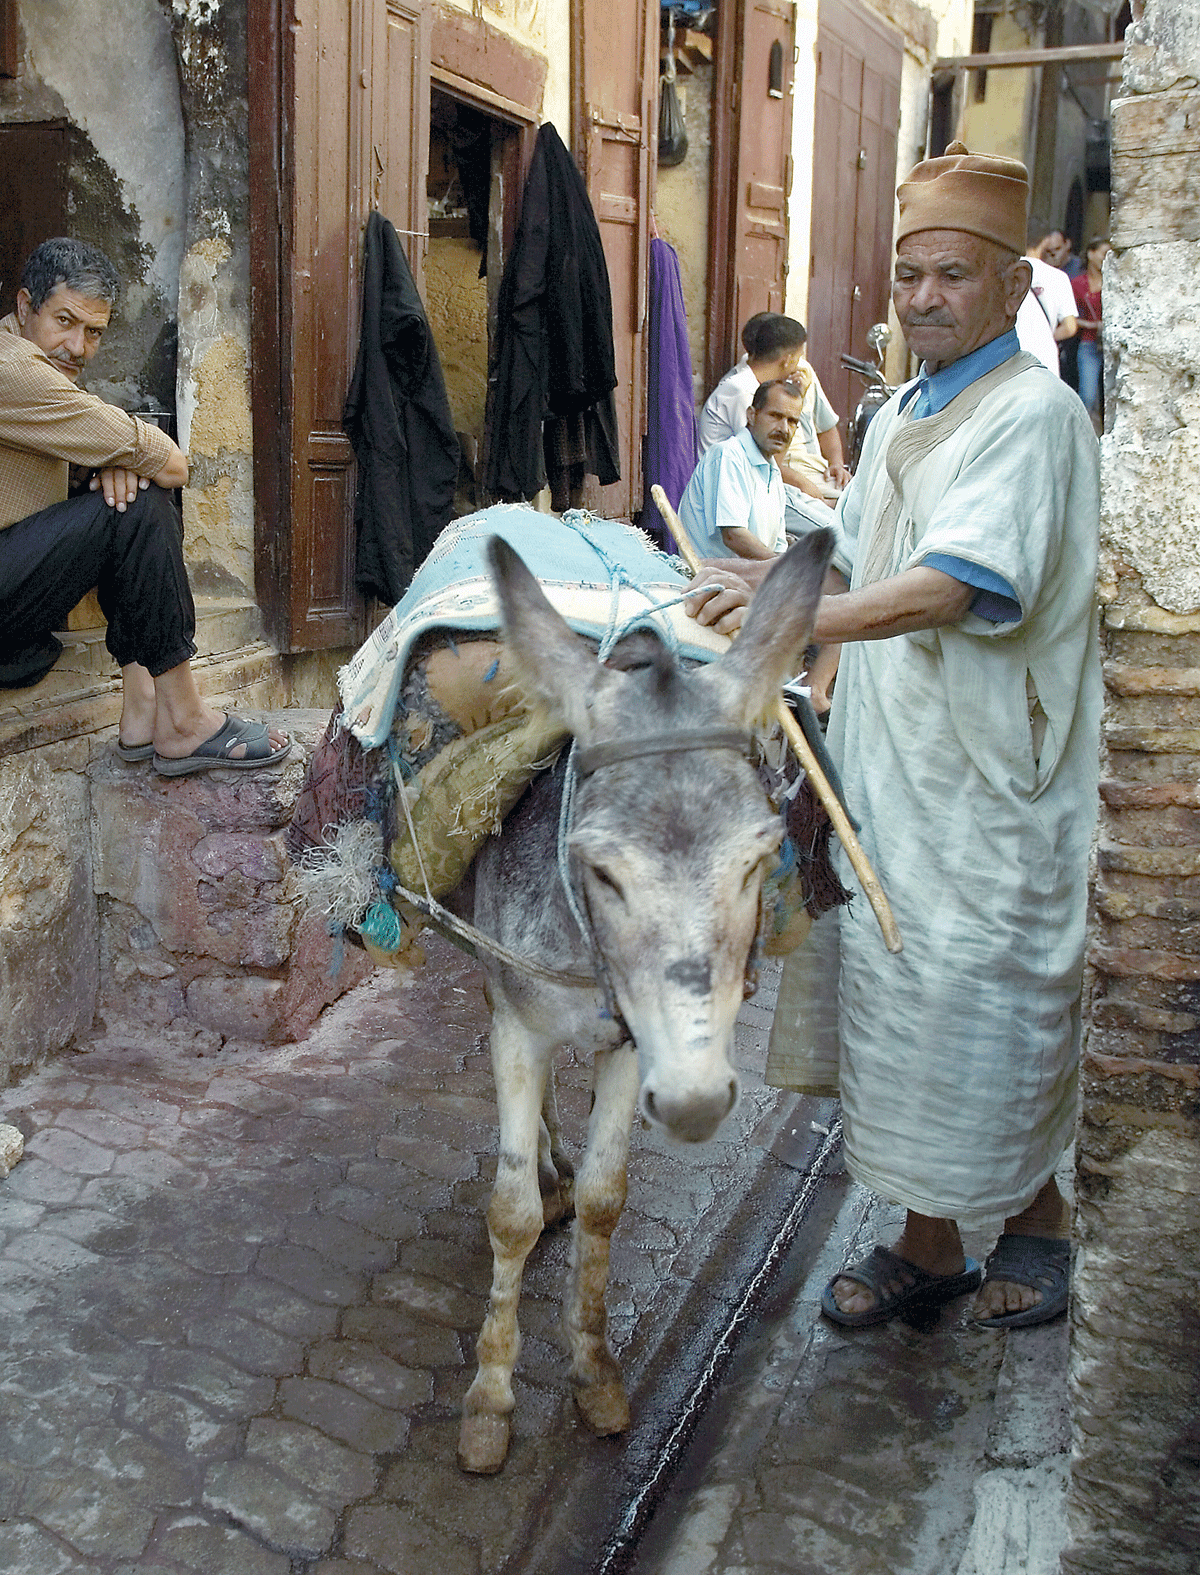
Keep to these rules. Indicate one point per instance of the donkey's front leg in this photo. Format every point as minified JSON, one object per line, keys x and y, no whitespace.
{"x":599,"y":1199}
{"x":514,"y":1225}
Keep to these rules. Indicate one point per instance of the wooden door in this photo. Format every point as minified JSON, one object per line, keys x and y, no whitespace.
{"x":751,"y":170}
{"x":339,"y":121}
{"x":859,"y":60}
{"x":615,"y":68}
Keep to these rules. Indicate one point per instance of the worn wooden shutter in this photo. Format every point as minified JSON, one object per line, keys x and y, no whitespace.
{"x":33,"y":175}
{"x":399,"y":153}
{"x":859,"y":60}
{"x":764,"y":120}
{"x":752,"y":139}
{"x":615,"y":68}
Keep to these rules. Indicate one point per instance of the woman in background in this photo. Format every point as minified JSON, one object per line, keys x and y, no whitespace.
{"x":1091,"y":351}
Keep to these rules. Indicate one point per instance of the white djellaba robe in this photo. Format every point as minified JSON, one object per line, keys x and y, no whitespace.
{"x":959,"y":1056}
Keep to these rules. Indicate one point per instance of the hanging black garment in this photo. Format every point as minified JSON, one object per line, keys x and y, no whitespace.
{"x":555,"y":359}
{"x":398,"y":419}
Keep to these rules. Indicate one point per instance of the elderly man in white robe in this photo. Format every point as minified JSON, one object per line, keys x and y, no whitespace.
{"x":965,"y":722}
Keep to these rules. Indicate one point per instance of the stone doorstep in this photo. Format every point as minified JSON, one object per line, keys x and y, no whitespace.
{"x":222,"y":624}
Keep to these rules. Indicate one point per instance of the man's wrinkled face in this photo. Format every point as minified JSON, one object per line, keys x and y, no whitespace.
{"x":68,"y":326}
{"x":774,"y":426}
{"x":954,"y":292}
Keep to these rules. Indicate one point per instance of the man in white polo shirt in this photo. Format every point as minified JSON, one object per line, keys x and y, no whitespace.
{"x":734,"y":503}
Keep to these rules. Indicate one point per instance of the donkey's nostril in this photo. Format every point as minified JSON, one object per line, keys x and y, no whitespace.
{"x":648,"y":1101}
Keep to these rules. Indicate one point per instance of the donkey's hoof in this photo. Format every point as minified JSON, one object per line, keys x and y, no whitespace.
{"x":604,"y":1407}
{"x":483,"y":1443}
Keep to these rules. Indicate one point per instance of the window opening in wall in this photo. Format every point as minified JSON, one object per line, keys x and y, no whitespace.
{"x":33,"y":175}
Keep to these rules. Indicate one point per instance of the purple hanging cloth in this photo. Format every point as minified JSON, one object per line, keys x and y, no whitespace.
{"x":671,"y":445}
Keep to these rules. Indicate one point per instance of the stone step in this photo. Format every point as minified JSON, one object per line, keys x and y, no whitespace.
{"x":82,"y":694}
{"x":222,"y":624}
{"x":200,"y":917}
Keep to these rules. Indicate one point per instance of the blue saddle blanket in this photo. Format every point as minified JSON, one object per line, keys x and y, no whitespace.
{"x":606,"y":578}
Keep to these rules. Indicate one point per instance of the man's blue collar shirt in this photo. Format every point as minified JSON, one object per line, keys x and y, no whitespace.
{"x":935,"y":390}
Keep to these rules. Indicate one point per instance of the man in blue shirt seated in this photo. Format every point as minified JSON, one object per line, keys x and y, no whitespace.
{"x":734,"y":503}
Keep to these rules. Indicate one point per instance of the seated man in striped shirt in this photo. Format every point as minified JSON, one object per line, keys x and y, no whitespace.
{"x":122,"y":537}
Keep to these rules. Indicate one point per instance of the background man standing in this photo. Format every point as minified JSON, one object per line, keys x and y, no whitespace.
{"x":965,"y":724}
{"x":121,"y":537}
{"x":775,"y":352}
{"x":1046,"y":318}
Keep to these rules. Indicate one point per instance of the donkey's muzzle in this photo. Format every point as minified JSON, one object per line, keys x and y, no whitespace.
{"x":688,"y":1115}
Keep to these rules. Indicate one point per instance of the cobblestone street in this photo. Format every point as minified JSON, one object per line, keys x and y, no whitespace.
{"x":240,"y":1285}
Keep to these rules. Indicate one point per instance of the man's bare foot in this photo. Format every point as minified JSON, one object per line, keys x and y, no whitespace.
{"x":932,"y":1245}
{"x":168,"y":712}
{"x":138,"y":706}
{"x":173,"y":741}
{"x":1048,"y":1215}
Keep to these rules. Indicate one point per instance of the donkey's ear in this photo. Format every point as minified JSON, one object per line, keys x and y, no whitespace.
{"x":770,"y":647}
{"x":552,"y":664}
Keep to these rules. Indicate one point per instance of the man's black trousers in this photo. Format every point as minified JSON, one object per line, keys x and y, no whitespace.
{"x":134,"y":562}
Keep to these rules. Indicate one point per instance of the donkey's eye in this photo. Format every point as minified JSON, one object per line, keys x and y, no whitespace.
{"x":606,"y":879}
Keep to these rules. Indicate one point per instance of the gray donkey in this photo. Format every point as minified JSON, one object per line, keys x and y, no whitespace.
{"x":669,"y":843}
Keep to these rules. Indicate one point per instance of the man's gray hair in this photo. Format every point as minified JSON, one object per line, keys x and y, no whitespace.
{"x":82,"y":268}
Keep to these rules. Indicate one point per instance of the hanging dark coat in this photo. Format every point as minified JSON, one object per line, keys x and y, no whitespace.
{"x":555,"y":356}
{"x":398,"y":420}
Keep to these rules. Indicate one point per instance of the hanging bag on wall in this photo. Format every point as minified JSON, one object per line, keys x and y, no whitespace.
{"x":672,"y":131}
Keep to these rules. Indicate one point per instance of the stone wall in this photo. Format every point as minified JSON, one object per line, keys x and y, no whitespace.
{"x":1135,"y":1364}
{"x":49,"y":973}
{"x":126,"y":173}
{"x":170,"y":903}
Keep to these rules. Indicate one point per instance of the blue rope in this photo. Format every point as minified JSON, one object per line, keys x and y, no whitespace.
{"x":578,"y":520}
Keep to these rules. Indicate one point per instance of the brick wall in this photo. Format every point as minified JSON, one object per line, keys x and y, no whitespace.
{"x":1134,"y":1500}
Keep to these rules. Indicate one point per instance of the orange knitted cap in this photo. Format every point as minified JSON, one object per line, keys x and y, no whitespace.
{"x":967,"y":191}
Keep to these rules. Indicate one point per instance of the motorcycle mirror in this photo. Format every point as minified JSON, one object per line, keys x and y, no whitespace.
{"x":879,"y":335}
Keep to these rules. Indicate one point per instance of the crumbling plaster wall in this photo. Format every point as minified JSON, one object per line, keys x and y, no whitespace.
{"x":1135,"y":1361}
{"x":214,"y":295}
{"x":80,"y":59}
{"x":155,"y":95}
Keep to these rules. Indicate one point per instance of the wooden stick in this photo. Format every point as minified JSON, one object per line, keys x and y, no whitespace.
{"x":795,"y":737}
